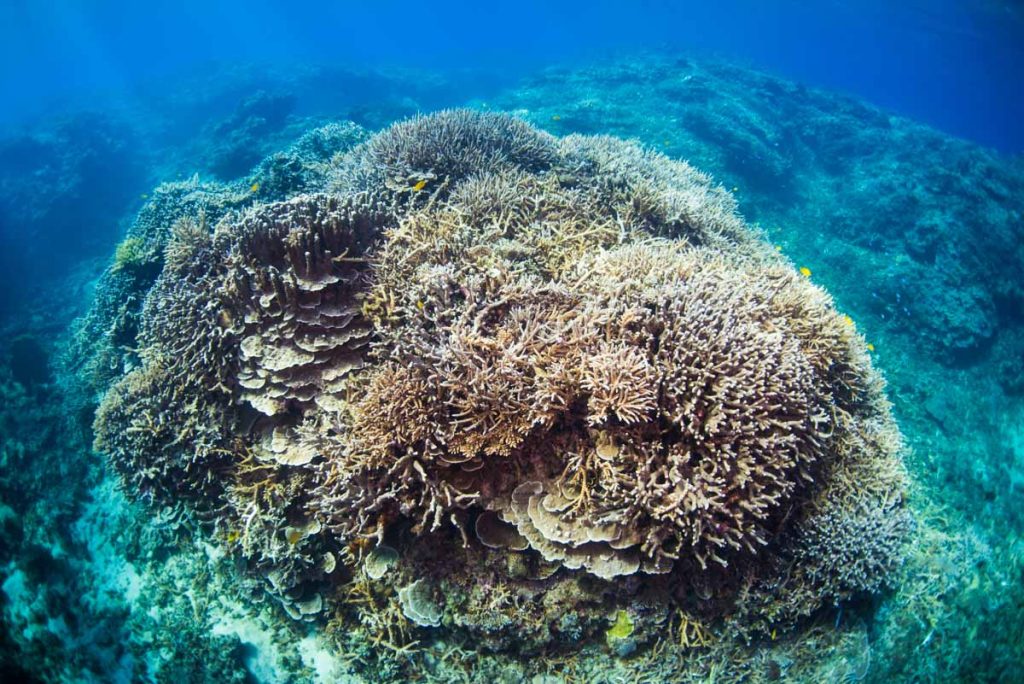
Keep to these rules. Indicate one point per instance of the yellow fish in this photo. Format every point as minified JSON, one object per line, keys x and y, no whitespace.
{"x":419,"y":185}
{"x":871,"y":347}
{"x":805,"y":272}
{"x":847,"y":320}
{"x":778,"y":248}
{"x":255,"y":187}
{"x":556,"y":117}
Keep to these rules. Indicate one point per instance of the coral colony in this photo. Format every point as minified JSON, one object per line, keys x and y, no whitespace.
{"x":492,"y":367}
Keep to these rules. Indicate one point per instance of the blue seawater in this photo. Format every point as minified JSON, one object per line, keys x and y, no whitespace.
{"x":878,"y":146}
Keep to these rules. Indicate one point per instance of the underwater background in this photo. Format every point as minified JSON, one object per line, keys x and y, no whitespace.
{"x":877,"y":145}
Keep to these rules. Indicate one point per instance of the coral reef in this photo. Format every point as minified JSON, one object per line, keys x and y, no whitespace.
{"x":258,"y":117}
{"x":573,"y":347}
{"x":634,"y":405}
{"x":105,"y":339}
{"x":106,"y":336}
{"x":94,"y":588}
{"x":929,"y":226}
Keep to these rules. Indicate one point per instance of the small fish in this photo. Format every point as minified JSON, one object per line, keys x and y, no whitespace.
{"x":419,"y":304}
{"x":255,"y":187}
{"x":735,"y":188}
{"x":871,"y":347}
{"x":666,"y":143}
{"x":143,"y":196}
{"x":419,"y":185}
{"x":556,"y":117}
{"x":778,"y":248}
{"x":847,"y":320}
{"x":805,"y":272}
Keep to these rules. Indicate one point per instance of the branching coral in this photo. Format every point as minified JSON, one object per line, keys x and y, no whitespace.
{"x":444,"y":149}
{"x":247,"y":341}
{"x":165,"y":445}
{"x":106,"y":338}
{"x":740,"y":423}
{"x":569,"y":346}
{"x":662,"y":389}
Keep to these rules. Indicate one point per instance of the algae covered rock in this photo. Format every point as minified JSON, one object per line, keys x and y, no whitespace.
{"x":480,"y":342}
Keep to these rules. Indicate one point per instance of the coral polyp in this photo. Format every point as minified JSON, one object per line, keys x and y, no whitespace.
{"x":562,"y":367}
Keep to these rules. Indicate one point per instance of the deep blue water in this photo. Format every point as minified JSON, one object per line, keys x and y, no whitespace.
{"x":956,"y":65}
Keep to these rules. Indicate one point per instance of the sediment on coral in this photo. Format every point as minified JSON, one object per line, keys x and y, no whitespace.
{"x":565,"y":367}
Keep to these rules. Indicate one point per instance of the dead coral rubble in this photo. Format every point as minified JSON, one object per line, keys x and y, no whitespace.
{"x":571,"y":346}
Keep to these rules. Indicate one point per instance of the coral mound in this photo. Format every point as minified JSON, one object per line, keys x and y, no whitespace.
{"x":573,"y":347}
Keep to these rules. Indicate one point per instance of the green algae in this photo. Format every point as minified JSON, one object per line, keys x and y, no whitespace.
{"x":621,"y":628}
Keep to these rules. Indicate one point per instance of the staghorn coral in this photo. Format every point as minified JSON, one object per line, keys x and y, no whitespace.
{"x":573,"y":348}
{"x":688,"y":398}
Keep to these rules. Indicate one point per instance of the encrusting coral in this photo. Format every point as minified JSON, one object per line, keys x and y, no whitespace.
{"x":572,"y":347}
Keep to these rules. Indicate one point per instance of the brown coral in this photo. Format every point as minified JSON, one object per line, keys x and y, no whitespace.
{"x":575,"y":345}
{"x":248,"y":339}
{"x":670,"y":391}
